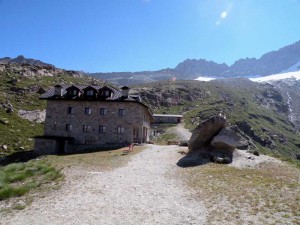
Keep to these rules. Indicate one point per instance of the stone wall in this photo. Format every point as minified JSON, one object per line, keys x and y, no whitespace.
{"x":136,"y":118}
{"x":45,"y":146}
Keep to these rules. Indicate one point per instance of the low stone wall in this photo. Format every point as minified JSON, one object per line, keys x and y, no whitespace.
{"x":45,"y":146}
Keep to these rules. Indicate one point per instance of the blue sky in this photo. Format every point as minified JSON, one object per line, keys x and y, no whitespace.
{"x":137,"y":35}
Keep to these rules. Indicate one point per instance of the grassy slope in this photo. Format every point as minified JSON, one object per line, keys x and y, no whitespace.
{"x":19,"y":132}
{"x":238,"y":104}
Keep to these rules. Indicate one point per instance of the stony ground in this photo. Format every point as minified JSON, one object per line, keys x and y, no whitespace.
{"x":143,"y":192}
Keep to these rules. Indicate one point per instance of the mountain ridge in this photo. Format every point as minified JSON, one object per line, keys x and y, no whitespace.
{"x":284,"y":59}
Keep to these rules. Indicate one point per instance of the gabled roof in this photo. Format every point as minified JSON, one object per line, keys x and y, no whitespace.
{"x":89,"y":87}
{"x":49,"y":94}
{"x":72,"y":87}
{"x":116,"y":97}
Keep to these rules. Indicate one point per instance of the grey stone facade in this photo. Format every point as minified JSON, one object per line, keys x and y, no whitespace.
{"x":167,"y":118}
{"x":93,"y":123}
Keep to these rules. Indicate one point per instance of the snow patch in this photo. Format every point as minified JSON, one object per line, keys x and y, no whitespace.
{"x":205,"y":78}
{"x":290,"y":75}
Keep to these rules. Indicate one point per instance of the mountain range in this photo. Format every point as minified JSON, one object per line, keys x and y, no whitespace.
{"x":286,"y":59}
{"x":268,"y":112}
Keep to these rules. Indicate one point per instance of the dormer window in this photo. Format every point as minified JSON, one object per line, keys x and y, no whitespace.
{"x":105,"y":92}
{"x":74,"y":92}
{"x":90,"y":93}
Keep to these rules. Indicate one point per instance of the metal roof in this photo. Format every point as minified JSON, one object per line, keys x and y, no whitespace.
{"x":167,"y":115}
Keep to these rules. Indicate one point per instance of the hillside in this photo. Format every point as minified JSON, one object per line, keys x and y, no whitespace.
{"x":286,"y":59}
{"x":20,"y":87}
{"x":259,"y":109}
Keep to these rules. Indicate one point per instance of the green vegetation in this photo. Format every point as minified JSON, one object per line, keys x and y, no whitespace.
{"x":258,"y":106}
{"x":164,"y":138}
{"x":17,"y":179}
{"x":17,"y":134}
{"x":101,"y":160}
{"x":252,"y":195}
{"x":163,"y":135}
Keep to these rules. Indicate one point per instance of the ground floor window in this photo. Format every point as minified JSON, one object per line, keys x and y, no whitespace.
{"x":68,"y":127}
{"x":86,"y":128}
{"x":102,"y":129}
{"x":120,"y":130}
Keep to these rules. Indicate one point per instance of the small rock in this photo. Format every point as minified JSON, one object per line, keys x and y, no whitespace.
{"x":4,"y":147}
{"x":4,"y":121}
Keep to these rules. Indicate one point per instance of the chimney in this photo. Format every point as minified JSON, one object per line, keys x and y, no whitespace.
{"x":58,"y":90}
{"x":125,"y":91}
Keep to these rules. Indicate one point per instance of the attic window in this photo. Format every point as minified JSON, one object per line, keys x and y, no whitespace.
{"x":90,"y":93}
{"x":74,"y":92}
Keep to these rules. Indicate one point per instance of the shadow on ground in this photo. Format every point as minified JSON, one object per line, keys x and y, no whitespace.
{"x":191,"y":160}
{"x":18,"y":157}
{"x":205,"y":157}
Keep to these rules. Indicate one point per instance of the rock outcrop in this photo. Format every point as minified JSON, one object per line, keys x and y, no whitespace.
{"x":228,"y":139}
{"x":205,"y":132}
{"x":35,"y":115}
{"x":215,"y":140}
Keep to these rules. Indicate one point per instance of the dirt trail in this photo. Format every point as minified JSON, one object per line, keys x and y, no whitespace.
{"x":140,"y":193}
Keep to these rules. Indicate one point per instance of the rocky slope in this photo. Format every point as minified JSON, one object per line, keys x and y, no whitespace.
{"x":284,"y":59}
{"x":260,"y":110}
{"x":21,"y":112}
{"x":22,"y":60}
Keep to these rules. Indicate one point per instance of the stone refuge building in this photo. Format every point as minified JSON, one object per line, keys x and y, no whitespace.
{"x":86,"y":117}
{"x":167,"y":118}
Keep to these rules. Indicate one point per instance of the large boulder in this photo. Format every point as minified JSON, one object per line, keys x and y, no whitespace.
{"x":204,"y":133}
{"x":228,"y":139}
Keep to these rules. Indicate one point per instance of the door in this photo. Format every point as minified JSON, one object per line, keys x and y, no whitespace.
{"x":60,"y":146}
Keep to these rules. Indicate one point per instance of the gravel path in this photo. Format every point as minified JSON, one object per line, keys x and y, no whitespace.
{"x":140,"y":193}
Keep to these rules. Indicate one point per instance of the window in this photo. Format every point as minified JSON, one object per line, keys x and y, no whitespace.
{"x":102,"y":129}
{"x":103,"y":111}
{"x":68,"y":127}
{"x":86,"y":128}
{"x":74,"y":92}
{"x":70,"y":110}
{"x":107,"y":93}
{"x":120,"y":130}
{"x":121,"y":112}
{"x":90,"y":93}
{"x":88,"y":111}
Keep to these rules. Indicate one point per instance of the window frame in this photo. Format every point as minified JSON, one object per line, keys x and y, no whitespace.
{"x":121,"y":112}
{"x":86,"y":128}
{"x":70,"y":110}
{"x":120,"y":130}
{"x":69,"y":127}
{"x":87,"y":111}
{"x":102,"y":129}
{"x":90,"y":93}
{"x":103,"y":111}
